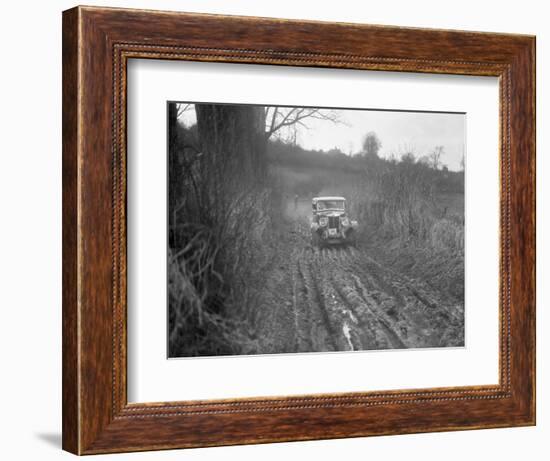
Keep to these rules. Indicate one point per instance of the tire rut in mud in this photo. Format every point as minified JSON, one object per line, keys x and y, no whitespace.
{"x":302,"y":333}
{"x":341,"y":299}
{"x":340,"y":319}
{"x":376,"y":330}
{"x":322,"y":332}
{"x":425,"y":317}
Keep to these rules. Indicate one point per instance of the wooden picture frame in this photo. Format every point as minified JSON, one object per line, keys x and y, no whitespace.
{"x":97,"y":43}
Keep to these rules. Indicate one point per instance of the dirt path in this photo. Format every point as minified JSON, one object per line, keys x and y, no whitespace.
{"x":343,"y":300}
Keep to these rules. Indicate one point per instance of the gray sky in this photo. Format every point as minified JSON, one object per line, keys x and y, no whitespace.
{"x":398,"y":131}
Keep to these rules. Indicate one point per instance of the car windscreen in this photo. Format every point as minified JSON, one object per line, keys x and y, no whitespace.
{"x":330,"y":205}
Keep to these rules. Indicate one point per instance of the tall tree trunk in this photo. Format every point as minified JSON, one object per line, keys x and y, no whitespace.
{"x":233,"y":136}
{"x":174,"y":162}
{"x":233,"y":159}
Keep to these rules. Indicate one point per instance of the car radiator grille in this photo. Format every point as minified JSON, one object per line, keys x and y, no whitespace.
{"x":333,"y":222}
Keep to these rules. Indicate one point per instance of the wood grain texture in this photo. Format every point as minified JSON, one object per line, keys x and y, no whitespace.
{"x":97,"y":43}
{"x":70,"y":385}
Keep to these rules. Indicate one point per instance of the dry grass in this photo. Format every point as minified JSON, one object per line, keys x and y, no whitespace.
{"x":214,"y":272}
{"x":408,"y":225}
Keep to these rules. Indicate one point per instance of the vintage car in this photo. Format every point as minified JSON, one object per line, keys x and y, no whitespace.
{"x":330,"y":223}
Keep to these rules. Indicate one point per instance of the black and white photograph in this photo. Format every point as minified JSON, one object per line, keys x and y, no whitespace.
{"x":312,"y":229}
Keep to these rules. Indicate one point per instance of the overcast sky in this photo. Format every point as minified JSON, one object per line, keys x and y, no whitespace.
{"x":398,"y":132}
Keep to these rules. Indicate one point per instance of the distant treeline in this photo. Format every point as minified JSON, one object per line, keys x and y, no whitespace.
{"x":294,"y":156}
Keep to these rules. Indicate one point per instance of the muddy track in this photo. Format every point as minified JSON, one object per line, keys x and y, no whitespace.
{"x":341,"y":299}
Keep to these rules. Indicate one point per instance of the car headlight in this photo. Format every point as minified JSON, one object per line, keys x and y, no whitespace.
{"x":323,"y":221}
{"x":345,"y":222}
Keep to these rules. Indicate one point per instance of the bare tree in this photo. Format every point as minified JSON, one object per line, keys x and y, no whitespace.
{"x":435,"y":157}
{"x":182,"y":108}
{"x":277,"y":118}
